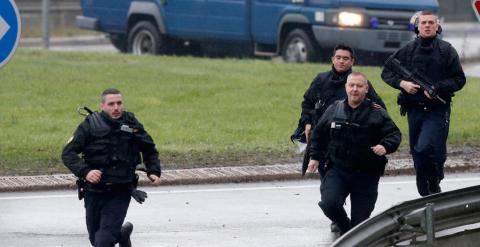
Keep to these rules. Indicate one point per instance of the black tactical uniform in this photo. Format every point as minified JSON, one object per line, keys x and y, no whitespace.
{"x":113,"y":147}
{"x":326,"y":88}
{"x":428,"y":119}
{"x":342,"y":142}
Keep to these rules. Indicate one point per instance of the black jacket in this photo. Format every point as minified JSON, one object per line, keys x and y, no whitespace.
{"x":113,"y":146}
{"x":326,"y":88}
{"x":347,"y":141}
{"x":437,"y":60}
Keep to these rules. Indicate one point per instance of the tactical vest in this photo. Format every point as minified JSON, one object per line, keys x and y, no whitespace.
{"x":325,"y":94}
{"x":443,"y":49}
{"x":351,"y":142}
{"x":328,"y":91}
{"x":433,"y":65}
{"x":112,"y":150}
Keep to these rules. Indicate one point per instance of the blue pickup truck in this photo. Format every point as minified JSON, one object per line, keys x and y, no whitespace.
{"x":297,"y":30}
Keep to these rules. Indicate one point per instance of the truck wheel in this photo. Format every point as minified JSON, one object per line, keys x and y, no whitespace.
{"x":119,"y":41}
{"x":144,"y":38}
{"x":298,"y":47}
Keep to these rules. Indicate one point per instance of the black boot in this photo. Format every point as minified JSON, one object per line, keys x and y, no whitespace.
{"x":434,"y":186}
{"x":125,"y":233}
{"x":422,"y":186}
{"x":334,"y":227}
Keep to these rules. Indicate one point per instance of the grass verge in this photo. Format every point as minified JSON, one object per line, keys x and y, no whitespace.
{"x":200,"y":112}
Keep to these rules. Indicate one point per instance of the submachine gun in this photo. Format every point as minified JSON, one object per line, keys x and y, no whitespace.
{"x":416,"y":77}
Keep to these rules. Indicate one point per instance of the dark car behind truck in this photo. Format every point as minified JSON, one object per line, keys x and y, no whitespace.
{"x":297,"y":30}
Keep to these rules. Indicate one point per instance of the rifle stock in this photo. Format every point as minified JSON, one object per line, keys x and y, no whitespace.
{"x":306,"y":158}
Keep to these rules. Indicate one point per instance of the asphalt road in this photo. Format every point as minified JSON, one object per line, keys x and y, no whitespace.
{"x":252,"y":214}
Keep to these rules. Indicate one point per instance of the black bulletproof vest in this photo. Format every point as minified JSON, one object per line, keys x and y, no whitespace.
{"x":330,"y":89}
{"x":350,"y":142}
{"x":112,"y":149}
{"x":428,"y":60}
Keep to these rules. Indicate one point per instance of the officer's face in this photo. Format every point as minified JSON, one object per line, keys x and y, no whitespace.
{"x":356,"y":88}
{"x":427,"y":26}
{"x":342,"y":60}
{"x":112,"y":104}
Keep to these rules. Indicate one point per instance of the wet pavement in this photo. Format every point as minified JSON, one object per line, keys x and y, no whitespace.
{"x":267,"y":214}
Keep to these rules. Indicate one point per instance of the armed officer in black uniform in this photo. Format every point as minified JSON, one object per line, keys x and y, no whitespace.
{"x":329,"y":86}
{"x":428,"y":117}
{"x":326,"y":88}
{"x":350,"y":142}
{"x":110,"y":143}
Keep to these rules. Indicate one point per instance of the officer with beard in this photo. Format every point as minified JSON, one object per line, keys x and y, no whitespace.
{"x":349,"y":143}
{"x":325,"y":89}
{"x":329,"y":86}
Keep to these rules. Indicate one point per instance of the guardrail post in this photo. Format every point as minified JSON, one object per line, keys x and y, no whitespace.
{"x":45,"y":27}
{"x":430,"y":223}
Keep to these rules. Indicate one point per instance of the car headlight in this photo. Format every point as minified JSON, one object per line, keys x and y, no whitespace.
{"x":350,"y":19}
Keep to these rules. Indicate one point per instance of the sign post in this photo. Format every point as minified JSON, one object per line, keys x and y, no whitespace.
{"x":9,"y":30}
{"x":476,"y":8}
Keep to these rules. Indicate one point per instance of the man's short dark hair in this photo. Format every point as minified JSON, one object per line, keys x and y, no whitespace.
{"x":344,"y":47}
{"x":428,"y":12}
{"x":109,"y":91}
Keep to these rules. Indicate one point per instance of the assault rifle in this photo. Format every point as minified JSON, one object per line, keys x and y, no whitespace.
{"x":416,"y":77}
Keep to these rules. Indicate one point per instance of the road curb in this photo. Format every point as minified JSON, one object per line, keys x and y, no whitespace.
{"x":234,"y":174}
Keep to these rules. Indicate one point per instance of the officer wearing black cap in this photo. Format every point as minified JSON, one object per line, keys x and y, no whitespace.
{"x":350,"y":142}
{"x":110,"y":143}
{"x":428,"y":117}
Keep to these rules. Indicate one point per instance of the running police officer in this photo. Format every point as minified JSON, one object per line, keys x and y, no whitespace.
{"x":110,"y":143}
{"x":428,"y":117}
{"x":329,"y":86}
{"x":325,"y":89}
{"x":350,"y":142}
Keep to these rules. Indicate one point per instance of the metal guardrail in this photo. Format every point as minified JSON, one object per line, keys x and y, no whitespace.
{"x":423,"y":218}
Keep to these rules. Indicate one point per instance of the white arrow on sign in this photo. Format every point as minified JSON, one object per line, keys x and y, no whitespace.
{"x":4,"y":27}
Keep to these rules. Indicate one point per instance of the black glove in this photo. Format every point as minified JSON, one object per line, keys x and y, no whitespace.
{"x":139,"y":195}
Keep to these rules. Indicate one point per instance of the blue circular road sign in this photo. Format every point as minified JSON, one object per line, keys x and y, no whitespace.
{"x":9,"y":30}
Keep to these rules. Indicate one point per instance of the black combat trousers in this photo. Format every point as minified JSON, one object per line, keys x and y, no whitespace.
{"x":428,"y":131}
{"x":336,"y":185}
{"x":105,"y":213}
